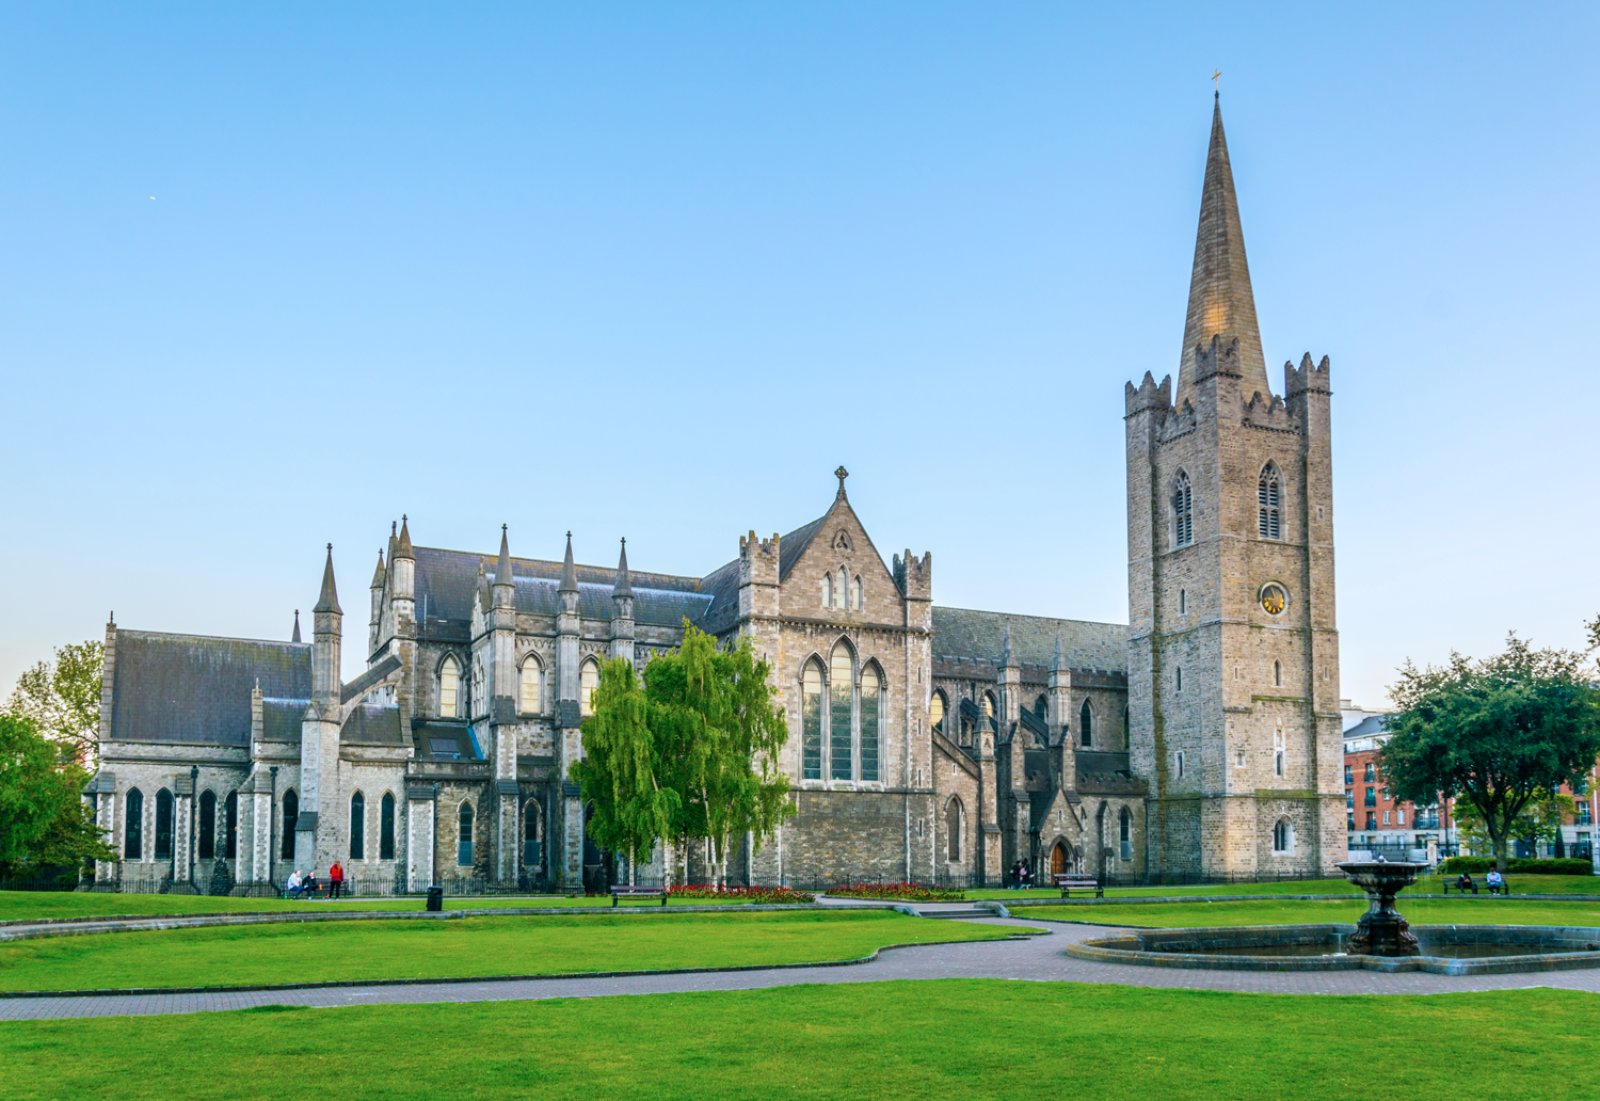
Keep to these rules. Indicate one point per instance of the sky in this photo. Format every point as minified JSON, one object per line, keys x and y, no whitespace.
{"x":271,"y":277}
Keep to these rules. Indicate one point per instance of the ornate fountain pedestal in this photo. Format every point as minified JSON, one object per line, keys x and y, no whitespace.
{"x":1382,"y":931}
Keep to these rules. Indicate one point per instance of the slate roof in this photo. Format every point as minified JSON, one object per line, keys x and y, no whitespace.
{"x":196,"y":689}
{"x":372,"y":724}
{"x":964,"y":633}
{"x":440,"y":740}
{"x":281,"y":718}
{"x":447,"y":580}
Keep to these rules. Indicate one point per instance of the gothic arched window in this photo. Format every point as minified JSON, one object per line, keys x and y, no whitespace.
{"x":841,"y":693}
{"x":827,"y":590}
{"x":530,"y":685}
{"x":230,"y":844}
{"x":1086,"y":724}
{"x":1125,"y":833}
{"x":358,"y":827}
{"x":1041,"y":707}
{"x":811,"y":721}
{"x":1269,"y":497}
{"x":871,"y":721}
{"x":855,"y":594}
{"x":291,"y":817}
{"x":133,"y":825}
{"x":953,"y":824}
{"x":208,"y":825}
{"x":588,"y":681}
{"x":936,"y":710}
{"x":1182,"y":511}
{"x":1283,"y":836}
{"x":449,"y":689}
{"x":386,"y":827}
{"x":464,"y":836}
{"x":163,"y":824}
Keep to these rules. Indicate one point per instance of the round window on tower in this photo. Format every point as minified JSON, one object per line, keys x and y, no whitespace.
{"x":1274,"y":598}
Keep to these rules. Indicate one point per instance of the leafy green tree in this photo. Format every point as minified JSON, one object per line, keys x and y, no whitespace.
{"x":43,"y":819}
{"x":1497,"y":732}
{"x":688,"y":755}
{"x":619,"y":768}
{"x":62,"y":697}
{"x":1539,"y":821}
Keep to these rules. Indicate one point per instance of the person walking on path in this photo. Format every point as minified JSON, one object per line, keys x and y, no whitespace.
{"x":335,"y":880}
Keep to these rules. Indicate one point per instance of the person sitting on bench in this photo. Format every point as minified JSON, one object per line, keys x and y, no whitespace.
{"x":295,"y":885}
{"x":1465,"y":884}
{"x":1495,"y":880}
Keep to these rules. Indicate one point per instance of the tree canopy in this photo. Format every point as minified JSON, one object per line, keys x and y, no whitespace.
{"x":1497,"y":731}
{"x":43,"y":820}
{"x":689,"y":754}
{"x":62,"y":697}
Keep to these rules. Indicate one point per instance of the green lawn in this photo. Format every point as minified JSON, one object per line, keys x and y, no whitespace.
{"x":34,"y":905}
{"x":1481,"y":910}
{"x":1521,"y":884}
{"x":932,"y":1040}
{"x":464,"y":947}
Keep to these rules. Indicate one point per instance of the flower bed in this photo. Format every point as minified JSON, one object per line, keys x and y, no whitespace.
{"x":897,"y":892}
{"x":777,"y":895}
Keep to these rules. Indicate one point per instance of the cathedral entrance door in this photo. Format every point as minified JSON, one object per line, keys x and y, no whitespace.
{"x":1058,"y":859}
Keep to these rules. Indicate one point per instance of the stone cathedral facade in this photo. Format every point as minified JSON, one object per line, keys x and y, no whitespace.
{"x":926,"y":742}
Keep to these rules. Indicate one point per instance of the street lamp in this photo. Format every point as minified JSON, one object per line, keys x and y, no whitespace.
{"x":194,"y":793}
{"x":272,"y":821}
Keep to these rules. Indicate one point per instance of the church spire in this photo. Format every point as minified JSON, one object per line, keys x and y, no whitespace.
{"x":569,"y":572}
{"x":296,"y":636}
{"x":1221,"y":303}
{"x":623,"y":586}
{"x":328,"y":601}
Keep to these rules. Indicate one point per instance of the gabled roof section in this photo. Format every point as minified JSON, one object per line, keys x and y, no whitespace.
{"x":372,"y":724}
{"x":1221,"y":302}
{"x":196,"y":689}
{"x":961,"y":633}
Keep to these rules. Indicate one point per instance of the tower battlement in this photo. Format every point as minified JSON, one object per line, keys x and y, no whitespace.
{"x":914,"y":575}
{"x":1308,"y":376}
{"x":1148,"y":395}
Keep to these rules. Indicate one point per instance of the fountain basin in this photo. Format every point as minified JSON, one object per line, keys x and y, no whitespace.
{"x":1442,"y":949}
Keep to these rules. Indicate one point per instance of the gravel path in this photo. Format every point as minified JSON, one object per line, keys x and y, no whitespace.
{"x":1038,"y":959}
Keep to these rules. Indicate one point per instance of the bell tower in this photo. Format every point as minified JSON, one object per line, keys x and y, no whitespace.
{"x":1233,"y":662}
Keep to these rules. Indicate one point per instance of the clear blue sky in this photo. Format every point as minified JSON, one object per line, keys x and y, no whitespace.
{"x":271,"y":277}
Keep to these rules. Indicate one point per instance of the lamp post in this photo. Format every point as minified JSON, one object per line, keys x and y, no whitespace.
{"x":272,"y":819}
{"x":194,"y":793}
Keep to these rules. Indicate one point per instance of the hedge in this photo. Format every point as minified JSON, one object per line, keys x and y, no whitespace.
{"x":1455,"y":865}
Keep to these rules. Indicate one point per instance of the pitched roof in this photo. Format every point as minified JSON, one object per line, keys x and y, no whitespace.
{"x":372,"y":724}
{"x":1221,"y":303}
{"x":192,"y":688}
{"x":964,"y":633}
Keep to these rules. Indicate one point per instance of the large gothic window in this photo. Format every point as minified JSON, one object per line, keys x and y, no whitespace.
{"x":841,"y":690}
{"x":530,"y":680}
{"x":386,"y":827}
{"x":936,"y":709}
{"x":291,"y":816}
{"x":1269,"y":496}
{"x":871,"y":718}
{"x":449,"y":689}
{"x":230,"y":844}
{"x":811,"y":721}
{"x":208,"y":825}
{"x":163,"y":824}
{"x":1182,"y":511}
{"x":952,"y":828}
{"x":588,"y":681}
{"x":464,"y":836}
{"x":358,"y":827}
{"x":1125,"y":833}
{"x":1086,"y":724}
{"x":133,"y":825}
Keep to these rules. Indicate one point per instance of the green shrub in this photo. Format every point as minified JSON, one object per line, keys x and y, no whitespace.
{"x":1474,"y":865}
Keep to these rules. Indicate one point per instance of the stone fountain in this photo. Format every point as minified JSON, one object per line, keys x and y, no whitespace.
{"x":1382,"y":931}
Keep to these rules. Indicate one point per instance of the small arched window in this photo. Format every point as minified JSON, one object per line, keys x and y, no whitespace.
{"x":358,"y":827}
{"x":449,"y":689}
{"x":936,"y":709}
{"x":811,"y":721}
{"x":871,"y":722}
{"x":163,"y":824}
{"x":1277,"y":674}
{"x":827,"y":590}
{"x":954,"y":823}
{"x":1179,"y":680}
{"x":1183,"y":602}
{"x":291,"y":818}
{"x":207,"y":841}
{"x":855,"y":594}
{"x":386,"y":827}
{"x":1282,"y":836}
{"x":133,"y":825}
{"x":841,"y":693}
{"x":841,"y":590}
{"x":588,"y":681}
{"x":1125,"y":833}
{"x":230,"y":844}
{"x":1086,"y":724}
{"x":1269,"y":498}
{"x":530,"y":686}
{"x":1280,"y":750}
{"x":464,"y":836}
{"x":1182,"y":511}
{"x":988,"y":705}
{"x":1180,"y":764}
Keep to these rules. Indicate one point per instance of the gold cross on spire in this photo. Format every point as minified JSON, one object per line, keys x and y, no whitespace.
{"x":1216,"y":80}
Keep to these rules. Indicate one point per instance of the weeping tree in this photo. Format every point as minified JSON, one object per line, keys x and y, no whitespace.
{"x":688,"y":754}
{"x":1501,"y":732}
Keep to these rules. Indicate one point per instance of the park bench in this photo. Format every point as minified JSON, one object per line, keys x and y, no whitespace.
{"x":621,"y":892}
{"x":1069,"y":882}
{"x":1459,"y":888}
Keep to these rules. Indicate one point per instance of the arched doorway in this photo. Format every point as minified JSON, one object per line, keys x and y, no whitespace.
{"x":1060,"y":859}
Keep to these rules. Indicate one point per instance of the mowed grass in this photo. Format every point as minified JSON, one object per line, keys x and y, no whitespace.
{"x":1431,"y":884}
{"x":1479,"y":910}
{"x":1015,"y":1040}
{"x":42,"y":905}
{"x":462,"y":948}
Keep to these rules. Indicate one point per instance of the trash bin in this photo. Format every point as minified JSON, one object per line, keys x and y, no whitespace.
{"x":436,"y":898}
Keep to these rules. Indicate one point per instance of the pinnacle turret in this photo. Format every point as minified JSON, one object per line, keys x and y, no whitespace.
{"x":1005,"y":649}
{"x":569,"y":572}
{"x":328,"y":600}
{"x":402,"y":549}
{"x":1221,"y":303}
{"x":378,"y":574}
{"x":623,"y":585}
{"x":1058,"y":659}
{"x":296,"y":636}
{"x":504,"y":578}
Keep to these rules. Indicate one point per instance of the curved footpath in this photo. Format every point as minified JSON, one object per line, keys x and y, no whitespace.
{"x":1038,"y":959}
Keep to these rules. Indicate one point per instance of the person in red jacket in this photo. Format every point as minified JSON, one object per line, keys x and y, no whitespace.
{"x":335,"y":880}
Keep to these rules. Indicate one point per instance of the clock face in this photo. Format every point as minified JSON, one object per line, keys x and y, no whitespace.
{"x":1274,"y":599}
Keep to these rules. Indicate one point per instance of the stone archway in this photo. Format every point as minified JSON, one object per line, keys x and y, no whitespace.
{"x":1060,"y":859}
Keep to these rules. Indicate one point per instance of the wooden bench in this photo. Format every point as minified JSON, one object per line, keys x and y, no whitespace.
{"x":1069,"y":882}
{"x":1460,"y":890}
{"x":619,"y":893}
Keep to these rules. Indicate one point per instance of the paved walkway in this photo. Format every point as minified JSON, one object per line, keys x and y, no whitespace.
{"x":1040,"y":959}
